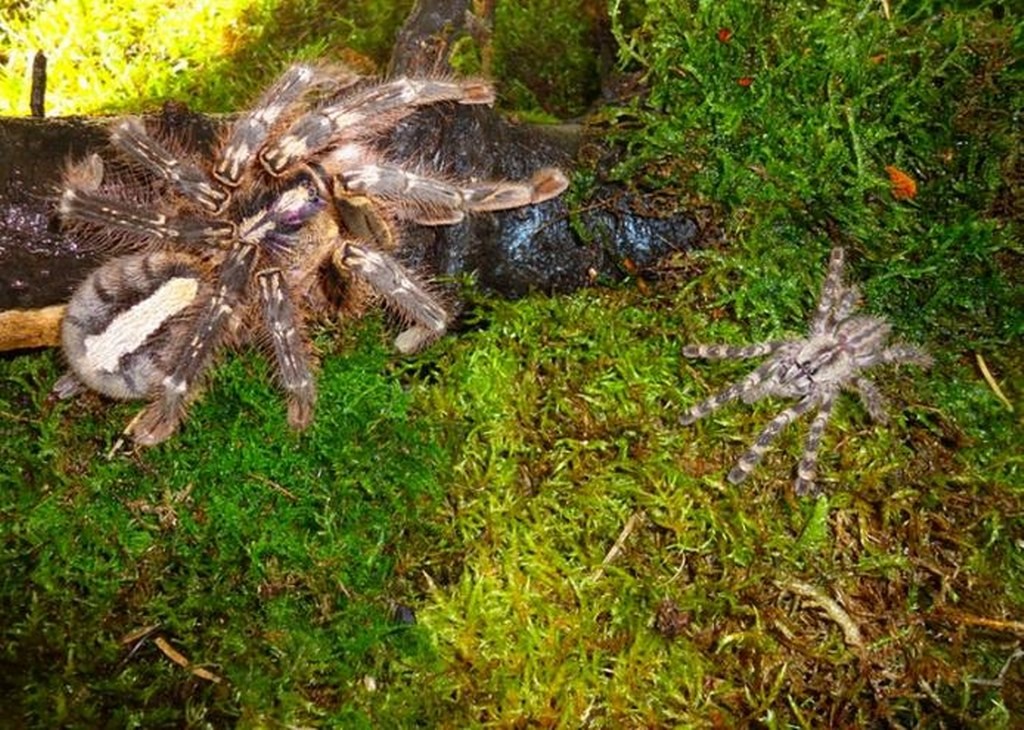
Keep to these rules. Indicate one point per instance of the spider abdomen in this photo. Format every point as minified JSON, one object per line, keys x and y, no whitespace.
{"x":122,"y":324}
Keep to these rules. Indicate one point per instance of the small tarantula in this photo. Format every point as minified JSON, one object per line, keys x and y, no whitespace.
{"x":295,"y":216}
{"x":814,"y":369}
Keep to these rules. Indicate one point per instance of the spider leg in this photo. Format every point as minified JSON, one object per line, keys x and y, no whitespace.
{"x":900,"y":353}
{"x":252,"y":129}
{"x":363,"y":114}
{"x":873,"y":400}
{"x":848,"y":301}
{"x":159,"y":419}
{"x":290,"y":349}
{"x":734,"y":391}
{"x":430,"y":201}
{"x":731,"y":352}
{"x":832,"y":292}
{"x":756,"y":452}
{"x":131,"y":137}
{"x":391,"y":280}
{"x":807,"y":468}
{"x":95,"y":209}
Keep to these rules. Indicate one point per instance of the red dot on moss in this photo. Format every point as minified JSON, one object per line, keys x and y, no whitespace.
{"x":724,"y":34}
{"x":745,"y":81}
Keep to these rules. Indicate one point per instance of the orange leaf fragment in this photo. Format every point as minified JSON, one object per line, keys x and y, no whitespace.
{"x":724,"y":34}
{"x":745,"y":81}
{"x":903,"y":186}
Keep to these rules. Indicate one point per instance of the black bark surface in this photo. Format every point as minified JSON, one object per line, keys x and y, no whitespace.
{"x":510,"y":253}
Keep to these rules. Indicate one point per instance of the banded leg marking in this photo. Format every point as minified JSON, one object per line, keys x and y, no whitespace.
{"x":430,"y":201}
{"x":250,"y":132}
{"x":364,"y":114}
{"x":89,"y":208}
{"x":160,"y":419}
{"x":730,"y":352}
{"x":400,"y":290}
{"x":901,"y":353}
{"x":130,"y":137}
{"x":831,"y":291}
{"x":290,"y":349}
{"x":756,"y":452}
{"x":807,"y":468}
{"x":731,"y":393}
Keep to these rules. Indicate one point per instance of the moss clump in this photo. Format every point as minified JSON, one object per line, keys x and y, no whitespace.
{"x":261,"y":556}
{"x":103,"y":58}
{"x":554,"y":64}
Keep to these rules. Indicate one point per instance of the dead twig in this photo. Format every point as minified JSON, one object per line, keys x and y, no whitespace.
{"x":181,"y":660}
{"x":635,"y":519}
{"x":967,"y":619}
{"x":987,"y":374}
{"x":851,"y":632}
{"x":21,"y":329}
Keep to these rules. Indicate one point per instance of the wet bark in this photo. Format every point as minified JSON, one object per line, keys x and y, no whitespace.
{"x":550,"y":247}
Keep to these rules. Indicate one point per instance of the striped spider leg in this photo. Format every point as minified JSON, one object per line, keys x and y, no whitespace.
{"x":295,"y":216}
{"x":840,"y":345}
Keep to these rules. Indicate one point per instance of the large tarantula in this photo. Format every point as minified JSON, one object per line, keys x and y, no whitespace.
{"x":296,"y":215}
{"x":814,"y":369}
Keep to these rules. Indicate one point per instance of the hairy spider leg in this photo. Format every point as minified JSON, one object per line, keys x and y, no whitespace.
{"x":290,"y":349}
{"x":872,"y":399}
{"x":431,"y":201}
{"x":734,"y":391}
{"x":131,"y":137}
{"x":832,"y":292}
{"x":901,"y":353}
{"x":807,"y":468}
{"x":849,"y":300}
{"x":251,"y":130}
{"x":364,"y":114}
{"x":756,"y":452}
{"x":400,"y":290}
{"x":160,"y":419}
{"x":101,"y":211}
{"x":731,"y":352}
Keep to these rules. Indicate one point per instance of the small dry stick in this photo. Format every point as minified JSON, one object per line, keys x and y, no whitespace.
{"x":987,"y":374}
{"x":27,"y":328}
{"x":37,"y":95}
{"x":851,"y":632}
{"x":178,"y":658}
{"x":274,"y":485}
{"x":139,"y":633}
{"x":634,"y":520}
{"x":967,"y":619}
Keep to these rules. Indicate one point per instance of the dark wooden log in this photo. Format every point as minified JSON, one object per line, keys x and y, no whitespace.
{"x":509,"y":253}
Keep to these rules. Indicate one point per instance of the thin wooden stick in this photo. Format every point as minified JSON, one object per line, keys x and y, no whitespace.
{"x":987,"y":374}
{"x":634,"y":520}
{"x":851,"y":632}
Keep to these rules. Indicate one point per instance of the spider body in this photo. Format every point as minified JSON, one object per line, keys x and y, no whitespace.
{"x":814,"y":370}
{"x":296,"y":216}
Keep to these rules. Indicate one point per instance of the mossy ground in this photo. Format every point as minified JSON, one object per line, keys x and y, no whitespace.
{"x":572,"y":556}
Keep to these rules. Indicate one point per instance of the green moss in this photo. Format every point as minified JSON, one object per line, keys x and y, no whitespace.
{"x":259,"y":555}
{"x":104,"y":58}
{"x":573,"y":555}
{"x":552,"y":64}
